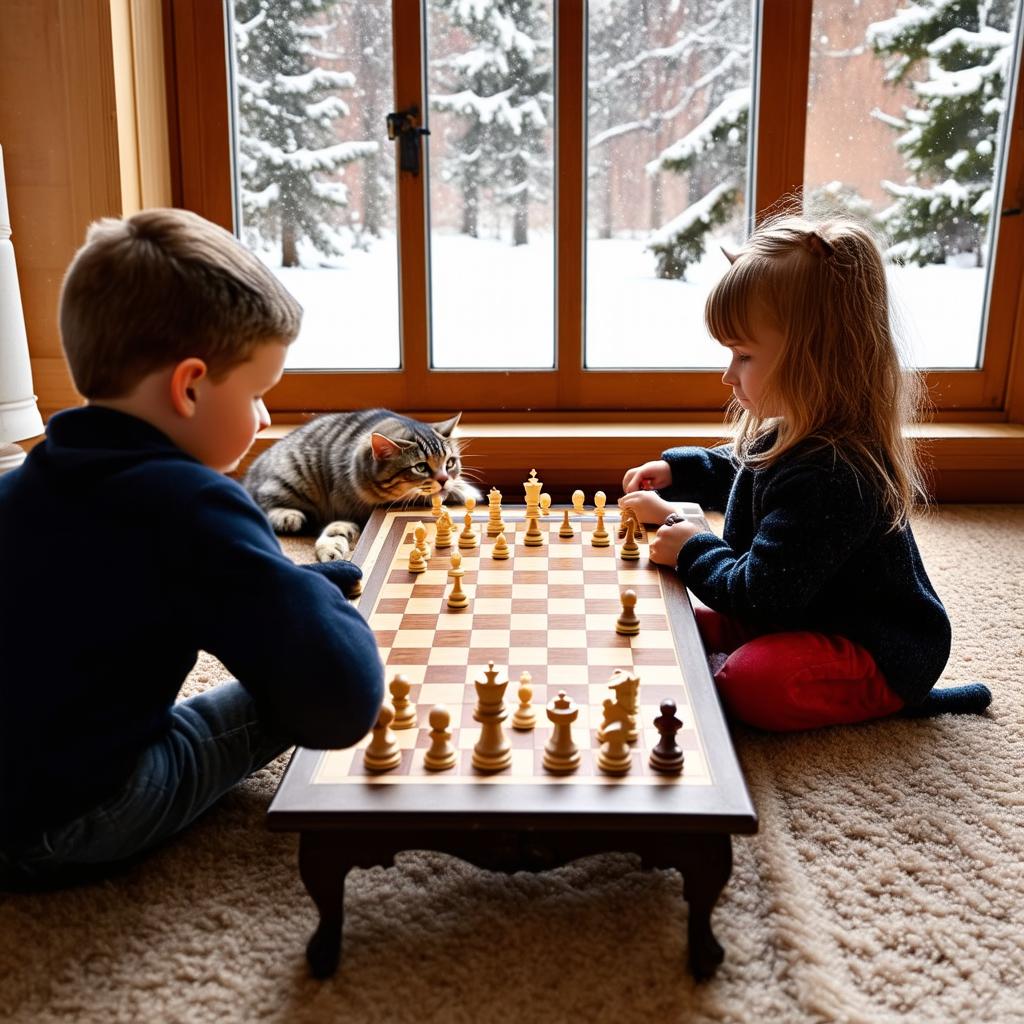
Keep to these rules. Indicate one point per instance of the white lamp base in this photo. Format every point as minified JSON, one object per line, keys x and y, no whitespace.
{"x":11,"y":457}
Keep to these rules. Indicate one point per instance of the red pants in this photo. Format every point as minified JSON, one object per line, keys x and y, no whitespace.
{"x":785,"y":682}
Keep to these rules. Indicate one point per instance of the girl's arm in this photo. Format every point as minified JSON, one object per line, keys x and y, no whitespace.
{"x":812,"y":521}
{"x":703,"y":475}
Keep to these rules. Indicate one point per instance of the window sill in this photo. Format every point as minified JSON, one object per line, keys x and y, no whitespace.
{"x":969,"y":461}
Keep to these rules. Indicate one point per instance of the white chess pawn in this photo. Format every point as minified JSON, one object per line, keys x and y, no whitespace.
{"x":420,"y":533}
{"x":577,"y":502}
{"x":441,"y":754}
{"x":524,"y":717}
{"x":405,"y":710}
{"x":467,"y":539}
{"x":628,"y":624}
{"x":600,"y":537}
{"x":383,"y":753}
{"x":458,"y":598}
{"x":435,"y":504}
{"x":545,"y":504}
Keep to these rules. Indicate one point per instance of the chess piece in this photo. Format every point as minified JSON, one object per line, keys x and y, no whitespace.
{"x":468,"y":539}
{"x":443,"y":537}
{"x":495,"y":524}
{"x":614,"y":711}
{"x":545,"y":504}
{"x":630,"y":550}
{"x":626,"y":688}
{"x":600,"y":537}
{"x":577,"y":502}
{"x":532,"y":487}
{"x":500,"y":549}
{"x":441,"y":754}
{"x":416,"y":562}
{"x":435,"y":505}
{"x":667,"y":757}
{"x":533,"y":538}
{"x":405,"y":710}
{"x":566,"y":530}
{"x":457,"y":598}
{"x":561,"y":755}
{"x":638,"y":530}
{"x":420,"y":533}
{"x":627,"y":623}
{"x":491,"y":752}
{"x":383,"y":753}
{"x":615,"y":756}
{"x":524,"y":717}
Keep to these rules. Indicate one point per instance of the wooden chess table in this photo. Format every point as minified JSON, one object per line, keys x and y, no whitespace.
{"x":549,"y":611}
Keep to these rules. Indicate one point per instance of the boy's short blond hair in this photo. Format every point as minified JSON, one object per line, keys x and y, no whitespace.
{"x":161,"y":286}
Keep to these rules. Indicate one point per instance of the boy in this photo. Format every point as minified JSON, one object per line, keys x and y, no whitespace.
{"x":124,"y":550}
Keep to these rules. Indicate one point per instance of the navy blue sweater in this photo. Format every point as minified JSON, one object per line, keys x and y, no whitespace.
{"x":806,"y":546}
{"x":120,"y":558}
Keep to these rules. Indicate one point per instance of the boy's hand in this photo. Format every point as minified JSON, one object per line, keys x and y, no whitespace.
{"x":648,"y":505}
{"x":669,"y":540}
{"x":651,"y":475}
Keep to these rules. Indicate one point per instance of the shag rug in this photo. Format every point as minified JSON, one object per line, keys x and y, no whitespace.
{"x":886,"y":883}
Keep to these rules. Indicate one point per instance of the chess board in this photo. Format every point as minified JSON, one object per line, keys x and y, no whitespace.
{"x":550,"y":611}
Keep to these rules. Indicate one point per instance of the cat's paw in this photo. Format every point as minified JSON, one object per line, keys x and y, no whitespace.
{"x":286,"y":520}
{"x":337,"y":541}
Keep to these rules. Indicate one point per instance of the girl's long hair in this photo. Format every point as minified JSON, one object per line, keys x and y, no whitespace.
{"x":838,"y":376}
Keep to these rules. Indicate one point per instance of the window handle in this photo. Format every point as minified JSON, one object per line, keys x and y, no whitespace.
{"x":402,"y":126}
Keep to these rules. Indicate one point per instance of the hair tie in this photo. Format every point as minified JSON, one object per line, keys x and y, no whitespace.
{"x":816,"y":244}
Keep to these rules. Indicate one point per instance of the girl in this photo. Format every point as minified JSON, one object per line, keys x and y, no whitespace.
{"x":817,"y":605}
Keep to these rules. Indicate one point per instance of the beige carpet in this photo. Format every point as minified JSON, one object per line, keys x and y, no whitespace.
{"x":886,"y":883}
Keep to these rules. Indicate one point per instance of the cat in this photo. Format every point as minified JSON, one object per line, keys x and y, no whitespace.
{"x":331,"y":473}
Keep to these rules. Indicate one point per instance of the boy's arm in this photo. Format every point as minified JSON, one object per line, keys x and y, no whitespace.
{"x":287,"y":633}
{"x":810,"y":527}
{"x":703,"y":475}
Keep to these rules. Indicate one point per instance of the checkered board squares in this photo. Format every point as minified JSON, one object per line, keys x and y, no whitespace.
{"x":549,"y":611}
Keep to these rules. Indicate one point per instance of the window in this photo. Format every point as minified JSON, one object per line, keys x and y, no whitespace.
{"x":552,"y":286}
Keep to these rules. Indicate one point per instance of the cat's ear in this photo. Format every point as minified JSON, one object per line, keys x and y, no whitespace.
{"x":732,"y":257}
{"x":445,"y":429}
{"x":384,"y":448}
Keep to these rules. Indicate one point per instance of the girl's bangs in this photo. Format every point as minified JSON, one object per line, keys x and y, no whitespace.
{"x":727,"y":312}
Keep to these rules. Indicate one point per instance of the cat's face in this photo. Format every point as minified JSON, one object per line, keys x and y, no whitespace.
{"x":421,"y":461}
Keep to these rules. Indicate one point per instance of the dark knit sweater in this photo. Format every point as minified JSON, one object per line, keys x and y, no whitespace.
{"x":120,"y":558}
{"x":806,"y":547}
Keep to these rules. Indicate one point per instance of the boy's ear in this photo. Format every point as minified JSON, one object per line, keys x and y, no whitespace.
{"x":184,"y":378}
{"x":446,"y":427}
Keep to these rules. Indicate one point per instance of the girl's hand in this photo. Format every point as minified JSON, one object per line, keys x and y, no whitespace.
{"x":650,"y":475}
{"x":669,"y":540}
{"x":648,"y":505}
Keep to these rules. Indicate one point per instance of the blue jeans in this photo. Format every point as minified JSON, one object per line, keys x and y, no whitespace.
{"x":216,"y":739}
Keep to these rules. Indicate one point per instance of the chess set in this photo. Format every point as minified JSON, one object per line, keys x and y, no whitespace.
{"x":580,"y":634}
{"x":546,"y":683}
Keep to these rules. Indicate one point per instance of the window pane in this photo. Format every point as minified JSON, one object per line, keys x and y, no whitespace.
{"x":667,"y":148}
{"x":315,"y":175}
{"x":491,"y":95}
{"x":905,"y":130}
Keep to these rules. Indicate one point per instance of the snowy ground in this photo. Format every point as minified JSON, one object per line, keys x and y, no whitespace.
{"x":493,"y":306}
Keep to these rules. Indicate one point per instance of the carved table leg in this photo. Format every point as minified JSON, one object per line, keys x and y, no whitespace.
{"x":323,"y":867}
{"x":705,"y":862}
{"x":705,"y":876}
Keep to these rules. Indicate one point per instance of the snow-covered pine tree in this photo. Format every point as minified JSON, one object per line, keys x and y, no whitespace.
{"x":713,"y":45}
{"x":288,"y":103}
{"x":501,"y":89}
{"x":949,"y":139}
{"x":720,"y":140}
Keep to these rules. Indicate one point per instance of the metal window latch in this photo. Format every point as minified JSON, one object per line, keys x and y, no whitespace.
{"x":402,"y":126}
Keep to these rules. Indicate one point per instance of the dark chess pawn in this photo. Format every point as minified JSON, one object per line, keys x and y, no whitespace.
{"x":666,"y":756}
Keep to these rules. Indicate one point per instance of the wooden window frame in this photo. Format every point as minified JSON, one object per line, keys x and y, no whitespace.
{"x":201,"y":178}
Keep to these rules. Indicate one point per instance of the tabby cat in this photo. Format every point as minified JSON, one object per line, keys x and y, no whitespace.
{"x":332,"y":472}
